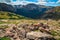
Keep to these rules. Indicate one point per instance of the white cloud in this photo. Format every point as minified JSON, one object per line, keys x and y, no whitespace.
{"x":5,"y":1}
{"x":21,"y":2}
{"x":24,"y":2}
{"x":42,"y":2}
{"x":1,"y":1}
{"x":45,"y":2}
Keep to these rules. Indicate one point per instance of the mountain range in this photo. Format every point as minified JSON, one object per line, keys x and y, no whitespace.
{"x":32,"y":10}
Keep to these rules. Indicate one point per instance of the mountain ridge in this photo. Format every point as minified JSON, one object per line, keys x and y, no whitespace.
{"x":30,"y":10}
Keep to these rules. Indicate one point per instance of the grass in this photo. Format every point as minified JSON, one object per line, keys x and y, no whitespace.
{"x":4,"y":27}
{"x":9,"y":15}
{"x":9,"y":21}
{"x":54,"y":33}
{"x":5,"y":38}
{"x":51,"y":23}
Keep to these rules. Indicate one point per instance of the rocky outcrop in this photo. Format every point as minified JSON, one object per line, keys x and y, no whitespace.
{"x":26,"y":32}
{"x":38,"y":36}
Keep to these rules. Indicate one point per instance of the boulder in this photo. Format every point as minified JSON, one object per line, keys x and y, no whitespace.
{"x":38,"y":36}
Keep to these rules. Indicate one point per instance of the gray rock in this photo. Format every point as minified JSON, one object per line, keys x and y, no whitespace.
{"x":22,"y":33}
{"x":25,"y":39}
{"x":38,"y":36}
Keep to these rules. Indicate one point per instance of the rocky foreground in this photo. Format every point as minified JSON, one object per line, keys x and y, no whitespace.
{"x":38,"y":31}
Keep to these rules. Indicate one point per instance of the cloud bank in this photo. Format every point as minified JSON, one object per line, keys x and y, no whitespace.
{"x":24,"y":2}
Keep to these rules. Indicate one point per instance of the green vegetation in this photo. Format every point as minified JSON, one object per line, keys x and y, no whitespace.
{"x":57,"y":12}
{"x":9,"y":15}
{"x":4,"y":26}
{"x":57,"y":9}
{"x":5,"y":38}
{"x":1,"y":22}
{"x":54,"y":33}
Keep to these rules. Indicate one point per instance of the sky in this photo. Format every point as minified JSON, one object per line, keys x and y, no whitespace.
{"x":40,"y":2}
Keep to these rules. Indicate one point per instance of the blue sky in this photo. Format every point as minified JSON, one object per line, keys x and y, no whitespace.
{"x":32,"y":0}
{"x":52,"y":0}
{"x":41,"y":2}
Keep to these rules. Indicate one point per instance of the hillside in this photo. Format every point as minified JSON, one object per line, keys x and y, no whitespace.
{"x":9,"y":15}
{"x":6,"y":7}
{"x":53,"y":13}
